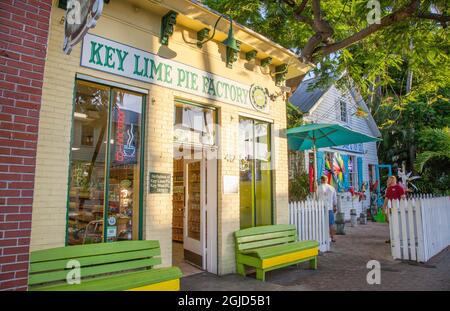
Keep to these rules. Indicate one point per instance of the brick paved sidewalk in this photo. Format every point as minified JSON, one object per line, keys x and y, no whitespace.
{"x":344,"y":268}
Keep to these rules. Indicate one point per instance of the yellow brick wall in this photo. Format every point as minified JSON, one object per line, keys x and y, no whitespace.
{"x":120,"y":22}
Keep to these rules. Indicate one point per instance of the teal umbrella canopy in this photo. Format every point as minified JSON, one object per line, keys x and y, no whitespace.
{"x":321,"y":135}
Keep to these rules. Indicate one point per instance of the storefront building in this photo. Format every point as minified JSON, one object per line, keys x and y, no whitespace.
{"x":148,"y":130}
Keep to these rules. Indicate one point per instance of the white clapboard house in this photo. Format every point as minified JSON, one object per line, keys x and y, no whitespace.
{"x":346,"y":166}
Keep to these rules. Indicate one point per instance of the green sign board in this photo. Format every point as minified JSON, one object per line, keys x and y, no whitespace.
{"x":109,"y":56}
{"x":159,"y":182}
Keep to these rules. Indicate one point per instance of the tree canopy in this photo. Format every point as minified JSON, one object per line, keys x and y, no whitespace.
{"x":336,"y":35}
{"x":401,"y":66}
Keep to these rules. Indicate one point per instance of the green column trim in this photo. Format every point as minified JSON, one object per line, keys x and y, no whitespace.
{"x":141,"y":168}
{"x":107,"y":167}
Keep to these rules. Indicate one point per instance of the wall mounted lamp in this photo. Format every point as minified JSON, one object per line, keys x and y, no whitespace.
{"x":233,"y":46}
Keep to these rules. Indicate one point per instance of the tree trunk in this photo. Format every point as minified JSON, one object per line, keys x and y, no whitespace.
{"x":409,"y":78}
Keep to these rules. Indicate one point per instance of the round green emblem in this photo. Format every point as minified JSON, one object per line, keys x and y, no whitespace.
{"x":258,"y":97}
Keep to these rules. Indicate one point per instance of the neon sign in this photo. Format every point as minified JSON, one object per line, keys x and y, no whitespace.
{"x":125,"y":142}
{"x":119,"y":135}
{"x":129,"y":149}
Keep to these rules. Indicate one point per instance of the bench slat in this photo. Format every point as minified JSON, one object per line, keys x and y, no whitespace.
{"x":86,"y":250}
{"x":272,"y":247}
{"x":93,"y":260}
{"x":263,"y":229}
{"x":120,"y":281}
{"x":257,"y":244}
{"x":93,"y":270}
{"x":277,"y":250}
{"x":265,"y":236}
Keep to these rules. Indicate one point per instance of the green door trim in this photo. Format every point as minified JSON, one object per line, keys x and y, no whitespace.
{"x":141,"y":168}
{"x":107,"y":167}
{"x":253,"y":174}
{"x":272,"y":201}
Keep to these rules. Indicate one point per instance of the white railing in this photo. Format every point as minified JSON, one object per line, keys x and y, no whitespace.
{"x":419,"y":227}
{"x":311,"y":220}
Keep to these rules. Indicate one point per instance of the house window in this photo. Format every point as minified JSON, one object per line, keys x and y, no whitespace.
{"x":343,"y":110}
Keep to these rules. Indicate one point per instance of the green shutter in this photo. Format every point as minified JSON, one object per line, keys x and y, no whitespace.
{"x":360,"y":172}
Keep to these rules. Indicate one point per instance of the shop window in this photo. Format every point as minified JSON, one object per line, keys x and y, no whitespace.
{"x":106,"y":153}
{"x":255,"y":187}
{"x":194,"y":124}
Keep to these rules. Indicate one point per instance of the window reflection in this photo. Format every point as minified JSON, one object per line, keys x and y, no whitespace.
{"x":123,"y":191}
{"x":87,"y":169}
{"x":194,"y":124}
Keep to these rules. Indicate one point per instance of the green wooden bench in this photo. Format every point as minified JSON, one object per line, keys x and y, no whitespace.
{"x":268,"y":248}
{"x":115,"y":266}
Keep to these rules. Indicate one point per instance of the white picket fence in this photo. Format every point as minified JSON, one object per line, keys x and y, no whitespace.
{"x":419,"y":227}
{"x":311,"y":220}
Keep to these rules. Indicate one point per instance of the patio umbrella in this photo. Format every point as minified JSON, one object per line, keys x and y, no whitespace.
{"x":319,"y":135}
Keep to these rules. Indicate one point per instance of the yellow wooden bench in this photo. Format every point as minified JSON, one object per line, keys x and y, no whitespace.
{"x":272,"y":247}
